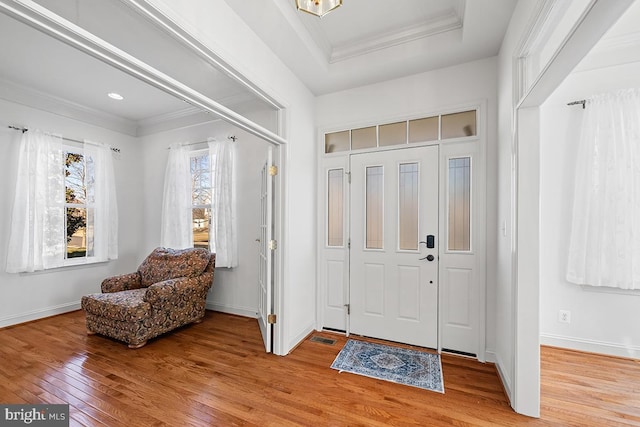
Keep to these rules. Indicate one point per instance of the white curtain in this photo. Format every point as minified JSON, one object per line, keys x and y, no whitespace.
{"x":106,"y":205}
{"x":38,"y":234}
{"x":223,"y":206}
{"x":605,"y":236}
{"x":177,"y":229}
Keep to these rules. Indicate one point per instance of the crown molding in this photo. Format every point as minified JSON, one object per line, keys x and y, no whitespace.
{"x":449,"y":21}
{"x":33,"y":98}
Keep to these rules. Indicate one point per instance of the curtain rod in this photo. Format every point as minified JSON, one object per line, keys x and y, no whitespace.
{"x":231,"y":137}
{"x":23,"y":130}
{"x":582,"y":102}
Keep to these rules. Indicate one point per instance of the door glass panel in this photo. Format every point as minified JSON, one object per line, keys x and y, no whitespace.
{"x":364,"y":138}
{"x":393,"y":134}
{"x":421,"y":130}
{"x":335,"y":197}
{"x":459,"y":193}
{"x":374,"y":207}
{"x":408,"y":206}
{"x":459,"y":124}
{"x":336,"y":141}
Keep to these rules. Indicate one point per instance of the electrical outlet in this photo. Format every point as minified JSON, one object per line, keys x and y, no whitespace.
{"x":564,"y":316}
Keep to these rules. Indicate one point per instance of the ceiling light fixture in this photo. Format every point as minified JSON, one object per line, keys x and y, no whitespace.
{"x":318,"y":7}
{"x":115,"y":96}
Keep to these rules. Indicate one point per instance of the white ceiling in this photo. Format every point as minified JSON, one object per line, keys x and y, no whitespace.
{"x":361,"y":42}
{"x":365,"y":41}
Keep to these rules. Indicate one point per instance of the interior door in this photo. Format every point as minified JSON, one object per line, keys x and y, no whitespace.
{"x":394,"y":245}
{"x":265,"y":277}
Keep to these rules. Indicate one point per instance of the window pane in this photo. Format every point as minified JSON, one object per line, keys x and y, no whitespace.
{"x":76,"y":220}
{"x":364,"y":138}
{"x":200,"y":180}
{"x":374,"y":206}
{"x":201,"y":223}
{"x":421,"y":130}
{"x":459,"y":124}
{"x":408,"y":206}
{"x":459,"y":191}
{"x":393,"y":134}
{"x":336,"y":141}
{"x":335,"y":197}
{"x":74,"y":178}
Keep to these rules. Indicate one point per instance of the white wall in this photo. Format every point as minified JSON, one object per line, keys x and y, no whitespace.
{"x":504,"y":287}
{"x":215,"y":23}
{"x":420,"y":95}
{"x":234,"y":290}
{"x":603,"y":322}
{"x":28,"y":296}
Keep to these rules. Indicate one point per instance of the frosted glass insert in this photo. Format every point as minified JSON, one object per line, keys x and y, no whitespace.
{"x":364,"y":138}
{"x":336,"y":141}
{"x":421,"y":130}
{"x":393,"y":134}
{"x":375,"y":207}
{"x":408,"y":203}
{"x":335,"y":207}
{"x":459,"y":124}
{"x":459,"y":191}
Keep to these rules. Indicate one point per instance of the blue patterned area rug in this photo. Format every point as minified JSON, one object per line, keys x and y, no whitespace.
{"x":398,"y":365}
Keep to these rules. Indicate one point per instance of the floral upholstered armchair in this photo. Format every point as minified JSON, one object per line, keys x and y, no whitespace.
{"x":169,"y":290}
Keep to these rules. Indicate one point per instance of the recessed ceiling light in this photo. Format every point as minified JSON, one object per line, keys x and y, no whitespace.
{"x":116,"y":96}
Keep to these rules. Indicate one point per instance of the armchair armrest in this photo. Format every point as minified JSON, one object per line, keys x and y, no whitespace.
{"x":174,"y":289}
{"x":123,"y":282}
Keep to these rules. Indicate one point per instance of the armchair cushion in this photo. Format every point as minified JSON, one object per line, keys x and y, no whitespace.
{"x":124,"y":306}
{"x":165,"y":263}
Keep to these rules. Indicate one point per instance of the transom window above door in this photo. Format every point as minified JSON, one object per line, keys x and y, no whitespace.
{"x":434,"y":128}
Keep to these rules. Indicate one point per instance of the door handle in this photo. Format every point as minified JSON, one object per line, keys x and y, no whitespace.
{"x":428,"y":258}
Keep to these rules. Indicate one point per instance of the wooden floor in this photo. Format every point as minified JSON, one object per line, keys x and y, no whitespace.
{"x":217,"y":374}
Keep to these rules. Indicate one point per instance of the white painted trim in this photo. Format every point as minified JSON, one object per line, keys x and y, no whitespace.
{"x":178,"y":32}
{"x":591,"y":346}
{"x":29,"y":316}
{"x":51,"y":24}
{"x":238,"y":311}
{"x":504,"y":377}
{"x":447,"y":22}
{"x":300,"y":337}
{"x":529,"y":94}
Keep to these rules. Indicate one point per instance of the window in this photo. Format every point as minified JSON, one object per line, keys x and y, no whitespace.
{"x":201,"y":196}
{"x":79,"y":206}
{"x":65,"y":203}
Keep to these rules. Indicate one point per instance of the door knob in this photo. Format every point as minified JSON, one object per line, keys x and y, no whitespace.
{"x":428,"y":258}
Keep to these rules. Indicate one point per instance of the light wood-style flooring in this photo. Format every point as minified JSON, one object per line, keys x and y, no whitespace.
{"x":216,"y":374}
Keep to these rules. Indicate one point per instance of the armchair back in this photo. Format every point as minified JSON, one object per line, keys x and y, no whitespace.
{"x":164,"y":263}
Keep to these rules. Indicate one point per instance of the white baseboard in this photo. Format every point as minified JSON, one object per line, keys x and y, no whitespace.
{"x":29,"y":316}
{"x":300,"y":337}
{"x":238,"y":311}
{"x":592,"y":346}
{"x":504,"y":377}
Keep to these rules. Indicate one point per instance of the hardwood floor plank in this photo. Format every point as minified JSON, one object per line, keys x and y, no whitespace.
{"x":217,"y":373}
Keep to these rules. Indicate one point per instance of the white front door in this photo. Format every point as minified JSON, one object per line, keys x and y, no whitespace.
{"x":265,"y":277}
{"x":394,"y":245}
